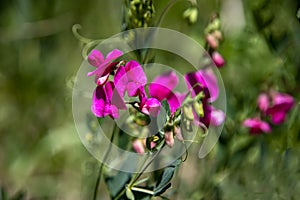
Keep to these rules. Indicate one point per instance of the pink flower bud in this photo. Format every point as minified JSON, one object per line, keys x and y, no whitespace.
{"x":218,"y":59}
{"x":138,"y":146}
{"x":212,"y":41}
{"x":169,"y":137}
{"x":178,"y":134}
{"x":263,"y":102}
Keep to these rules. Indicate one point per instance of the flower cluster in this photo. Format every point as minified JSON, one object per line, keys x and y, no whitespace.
{"x":116,"y":80}
{"x":213,"y":38}
{"x":129,"y":77}
{"x":274,"y":105}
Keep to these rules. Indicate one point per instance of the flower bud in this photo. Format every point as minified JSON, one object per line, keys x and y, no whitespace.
{"x":218,"y":59}
{"x":212,"y":41}
{"x":177,"y":133}
{"x":217,"y":34}
{"x":188,"y":112}
{"x":263,"y":102}
{"x":138,"y":146}
{"x":169,"y":137}
{"x":199,"y":109}
{"x":191,"y":14}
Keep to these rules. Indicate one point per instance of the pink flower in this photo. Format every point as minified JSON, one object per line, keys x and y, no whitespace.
{"x":130,"y":78}
{"x":281,"y":104}
{"x":150,"y":107}
{"x":203,"y":81}
{"x":162,"y":88}
{"x":257,"y":126}
{"x":218,"y":59}
{"x":106,"y":101}
{"x":263,"y":102}
{"x":103,"y":66}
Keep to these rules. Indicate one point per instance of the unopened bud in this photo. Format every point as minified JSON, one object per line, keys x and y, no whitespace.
{"x":138,"y":146}
{"x":218,"y":59}
{"x":212,"y":41}
{"x":191,"y":14}
{"x":177,"y":133}
{"x":188,"y":112}
{"x":169,"y":137}
{"x":199,"y":109}
{"x":217,"y":34}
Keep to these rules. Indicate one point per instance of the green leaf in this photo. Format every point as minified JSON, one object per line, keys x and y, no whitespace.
{"x":164,"y":180}
{"x":129,"y":194}
{"x":116,"y":183}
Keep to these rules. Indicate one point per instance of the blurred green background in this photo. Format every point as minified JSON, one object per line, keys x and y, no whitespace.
{"x":41,"y":156}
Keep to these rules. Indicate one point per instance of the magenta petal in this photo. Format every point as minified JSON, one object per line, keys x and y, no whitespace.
{"x":151,"y":107}
{"x":203,"y":80}
{"x":95,"y":58}
{"x":257,"y":125}
{"x":162,"y":86}
{"x":101,"y":80}
{"x":113,"y":96}
{"x":98,"y":102}
{"x":114,"y":113}
{"x":99,"y":71}
{"x":278,"y":118}
{"x":211,"y":83}
{"x":174,"y":102}
{"x":121,"y":80}
{"x":132,"y":89}
{"x":263,"y":102}
{"x":135,"y":73}
{"x":217,"y":117}
{"x":114,"y":54}
{"x":283,"y":102}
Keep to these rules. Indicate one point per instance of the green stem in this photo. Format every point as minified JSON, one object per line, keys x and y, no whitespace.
{"x":138,"y":175}
{"x":104,"y":160}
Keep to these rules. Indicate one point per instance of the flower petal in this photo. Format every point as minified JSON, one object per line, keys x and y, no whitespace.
{"x":203,"y":80}
{"x":257,"y":126}
{"x":162,"y":86}
{"x":113,"y":96}
{"x":114,"y":54}
{"x":174,"y":102}
{"x":101,"y":80}
{"x":95,"y":58}
{"x":151,"y":107}
{"x":217,"y":117}
{"x":98,"y":102}
{"x":135,"y":73}
{"x":278,"y":117}
{"x":120,"y":80}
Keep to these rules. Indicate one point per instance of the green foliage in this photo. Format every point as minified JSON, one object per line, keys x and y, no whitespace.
{"x":41,"y":154}
{"x":163,"y":182}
